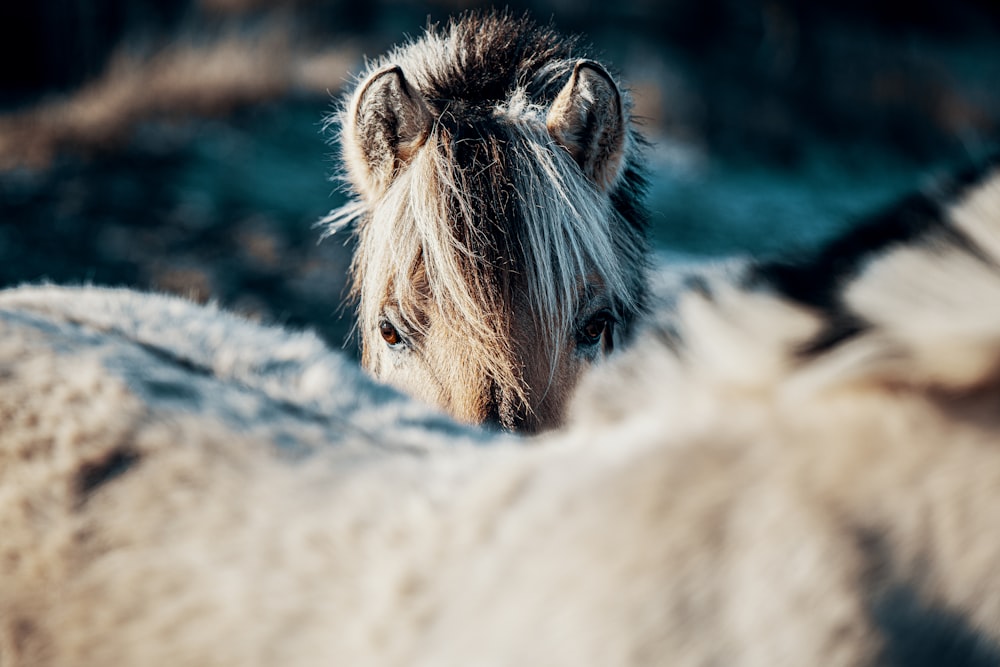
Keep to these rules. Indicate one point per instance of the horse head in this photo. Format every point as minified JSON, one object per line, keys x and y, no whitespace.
{"x":501,"y":236}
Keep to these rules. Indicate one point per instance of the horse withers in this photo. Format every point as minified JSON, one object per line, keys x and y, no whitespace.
{"x":497,"y":202}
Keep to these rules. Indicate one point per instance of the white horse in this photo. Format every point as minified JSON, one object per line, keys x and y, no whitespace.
{"x":801,"y":467}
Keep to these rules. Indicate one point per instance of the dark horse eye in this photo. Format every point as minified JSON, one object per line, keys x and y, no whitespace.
{"x":389,"y":333}
{"x":594,"y":329}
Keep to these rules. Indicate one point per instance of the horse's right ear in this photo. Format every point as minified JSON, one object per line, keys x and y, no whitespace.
{"x":587,"y":118}
{"x":387,"y":122}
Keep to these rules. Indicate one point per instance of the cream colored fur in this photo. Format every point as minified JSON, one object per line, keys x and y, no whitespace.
{"x":178,"y":487}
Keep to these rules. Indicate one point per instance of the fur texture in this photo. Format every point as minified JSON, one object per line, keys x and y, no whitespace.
{"x":741,"y":487}
{"x":498,"y":208}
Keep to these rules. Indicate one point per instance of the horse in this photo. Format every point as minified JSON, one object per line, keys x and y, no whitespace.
{"x":795,"y":464}
{"x":497,"y":197}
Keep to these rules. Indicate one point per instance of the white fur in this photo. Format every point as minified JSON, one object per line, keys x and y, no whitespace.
{"x":729,"y":503}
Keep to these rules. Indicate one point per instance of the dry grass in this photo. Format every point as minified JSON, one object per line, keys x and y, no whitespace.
{"x":190,"y":77}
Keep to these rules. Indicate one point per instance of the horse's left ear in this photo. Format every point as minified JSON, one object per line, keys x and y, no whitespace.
{"x":588,"y":119}
{"x":387,"y":122}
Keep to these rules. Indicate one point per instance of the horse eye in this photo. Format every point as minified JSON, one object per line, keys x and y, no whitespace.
{"x":389,"y":333}
{"x":594,"y":329}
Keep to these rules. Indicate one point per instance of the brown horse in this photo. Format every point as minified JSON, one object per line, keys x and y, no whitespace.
{"x":497,"y":201}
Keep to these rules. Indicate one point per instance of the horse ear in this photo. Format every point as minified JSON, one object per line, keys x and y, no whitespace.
{"x":588,"y":119}
{"x":387,"y":122}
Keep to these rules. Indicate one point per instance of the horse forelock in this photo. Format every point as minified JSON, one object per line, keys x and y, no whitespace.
{"x":488,"y":213}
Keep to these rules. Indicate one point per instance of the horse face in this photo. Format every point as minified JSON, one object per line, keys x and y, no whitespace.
{"x":441,"y":364}
{"x":493,"y":267}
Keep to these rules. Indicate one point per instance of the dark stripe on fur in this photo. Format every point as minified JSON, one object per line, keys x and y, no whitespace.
{"x":479,"y":149}
{"x":918,"y":634}
{"x":819,"y":280}
{"x":94,"y":475}
{"x":915,"y":631}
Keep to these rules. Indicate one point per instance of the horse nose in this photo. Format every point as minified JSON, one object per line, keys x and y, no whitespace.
{"x":507,"y":411}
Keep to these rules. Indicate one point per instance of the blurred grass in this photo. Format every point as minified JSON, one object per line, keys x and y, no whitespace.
{"x":723,"y":209}
{"x":177,"y":145}
{"x":192,"y":76}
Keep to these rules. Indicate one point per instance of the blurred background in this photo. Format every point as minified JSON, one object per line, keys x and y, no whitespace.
{"x":176,"y":144}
